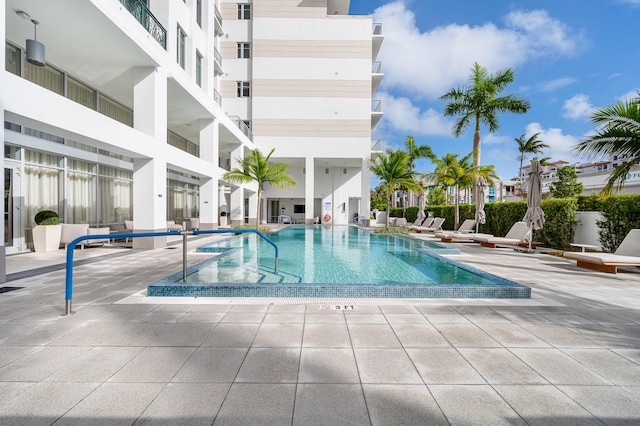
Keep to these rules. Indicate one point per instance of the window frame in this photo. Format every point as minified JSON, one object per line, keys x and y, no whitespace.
{"x":243,"y":89}
{"x":181,"y":48}
{"x":199,"y":68}
{"x":244,"y":11}
{"x":243,"y":50}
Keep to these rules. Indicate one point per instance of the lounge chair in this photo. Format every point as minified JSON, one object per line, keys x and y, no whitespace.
{"x":627,"y":254}
{"x":516,"y":236}
{"x":463,"y":237}
{"x":425,"y":223}
{"x":466,"y":228}
{"x":435,"y":226}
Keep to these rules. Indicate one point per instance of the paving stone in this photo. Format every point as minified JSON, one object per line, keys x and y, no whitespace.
{"x":328,"y":365}
{"x":331,"y":404}
{"x":500,"y":366}
{"x":213,"y":365}
{"x":443,"y":366}
{"x":611,"y":405}
{"x":268,"y":404}
{"x":558,"y":368}
{"x":386,"y":366}
{"x":326,"y":335}
{"x":402,"y":405}
{"x":270,"y":365}
{"x":279,"y":336}
{"x":232,"y":335}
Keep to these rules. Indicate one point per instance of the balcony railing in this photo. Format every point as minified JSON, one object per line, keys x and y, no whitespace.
{"x":377,"y":29}
{"x":218,"y":20}
{"x":376,"y":105}
{"x":376,"y":145}
{"x":243,"y":127}
{"x":217,"y":97}
{"x":143,"y":15}
{"x":376,"y":68}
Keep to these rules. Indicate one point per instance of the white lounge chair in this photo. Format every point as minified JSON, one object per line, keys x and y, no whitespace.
{"x":425,"y":223}
{"x":466,"y":228}
{"x":463,"y":238}
{"x":435,"y":226}
{"x":627,"y":254}
{"x":517,"y":235}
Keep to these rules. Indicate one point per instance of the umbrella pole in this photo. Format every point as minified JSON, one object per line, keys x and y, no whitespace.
{"x":530,"y":237}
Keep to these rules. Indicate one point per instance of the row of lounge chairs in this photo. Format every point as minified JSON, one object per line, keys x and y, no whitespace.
{"x":627,"y":254}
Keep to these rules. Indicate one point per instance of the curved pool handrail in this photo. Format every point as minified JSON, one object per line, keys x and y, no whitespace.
{"x":68,"y":296}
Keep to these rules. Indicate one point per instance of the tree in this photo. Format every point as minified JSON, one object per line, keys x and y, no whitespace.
{"x":459,"y":173}
{"x":567,"y":184}
{"x":378,"y":198}
{"x":392,"y":167}
{"x":529,"y":146}
{"x":436,"y":196}
{"x":414,"y":152}
{"x":618,"y":134}
{"x":479,"y":102}
{"x":255,"y":167}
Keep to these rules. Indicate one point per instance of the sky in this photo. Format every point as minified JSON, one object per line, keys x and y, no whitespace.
{"x":569,"y":57}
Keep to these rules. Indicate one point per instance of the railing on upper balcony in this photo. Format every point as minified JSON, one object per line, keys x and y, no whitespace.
{"x":377,"y":29}
{"x":217,"y":97}
{"x":376,"y":105}
{"x":376,"y":68}
{"x":140,"y":11}
{"x":376,"y":144}
{"x":243,"y":127}
{"x":217,"y":56}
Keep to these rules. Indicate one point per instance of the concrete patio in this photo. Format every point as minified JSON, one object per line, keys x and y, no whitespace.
{"x":568,"y":355}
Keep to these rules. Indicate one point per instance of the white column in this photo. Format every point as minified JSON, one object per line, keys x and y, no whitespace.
{"x":209,"y":147}
{"x":150,"y":175}
{"x":253,"y":209}
{"x":3,"y":259}
{"x":365,"y":198}
{"x":309,"y":190}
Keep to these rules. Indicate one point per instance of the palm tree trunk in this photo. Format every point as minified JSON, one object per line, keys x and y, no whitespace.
{"x":258,"y":208}
{"x":476,"y":148}
{"x":457,"y":211}
{"x":388,"y":208}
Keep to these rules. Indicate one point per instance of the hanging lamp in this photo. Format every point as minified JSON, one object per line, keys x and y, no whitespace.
{"x":35,"y":49}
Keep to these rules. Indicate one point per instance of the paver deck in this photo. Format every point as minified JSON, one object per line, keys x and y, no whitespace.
{"x":568,"y":355}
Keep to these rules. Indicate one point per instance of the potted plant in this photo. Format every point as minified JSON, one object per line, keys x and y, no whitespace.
{"x":223,"y":218}
{"x":47,"y":232}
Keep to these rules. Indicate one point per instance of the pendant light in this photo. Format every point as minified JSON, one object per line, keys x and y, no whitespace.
{"x":35,"y":49}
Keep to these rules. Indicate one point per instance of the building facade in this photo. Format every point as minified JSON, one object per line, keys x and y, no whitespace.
{"x":142,"y":106}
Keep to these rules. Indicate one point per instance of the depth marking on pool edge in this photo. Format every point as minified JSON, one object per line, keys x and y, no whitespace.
{"x":338,"y":307}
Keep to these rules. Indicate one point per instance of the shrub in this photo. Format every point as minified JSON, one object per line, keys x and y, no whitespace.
{"x":560,"y":222}
{"x":47,"y":217}
{"x":621,"y":213}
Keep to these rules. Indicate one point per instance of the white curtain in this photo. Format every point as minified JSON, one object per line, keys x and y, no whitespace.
{"x":43,"y":191}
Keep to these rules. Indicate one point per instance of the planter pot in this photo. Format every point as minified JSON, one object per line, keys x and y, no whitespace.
{"x":223,"y":221}
{"x":46,"y":238}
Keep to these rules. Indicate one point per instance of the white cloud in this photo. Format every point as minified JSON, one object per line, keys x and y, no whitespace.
{"x":552,"y":85}
{"x":578,"y":107}
{"x":402,"y":115}
{"x":559,"y":143}
{"x":631,"y":94}
{"x":428,"y":64}
{"x":493,"y":139}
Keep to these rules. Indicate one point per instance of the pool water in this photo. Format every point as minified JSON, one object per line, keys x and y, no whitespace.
{"x":334,"y":261}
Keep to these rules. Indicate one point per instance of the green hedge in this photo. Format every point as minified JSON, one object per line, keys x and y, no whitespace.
{"x":621,"y":213}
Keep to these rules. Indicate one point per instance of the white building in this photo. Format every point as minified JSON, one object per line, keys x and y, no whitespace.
{"x":143,"y":105}
{"x":593,"y":176}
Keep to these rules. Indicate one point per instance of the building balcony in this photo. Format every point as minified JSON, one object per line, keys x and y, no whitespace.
{"x":217,"y":20}
{"x":217,"y":62}
{"x":376,"y":40}
{"x":243,"y":127}
{"x":143,"y":15}
{"x":376,"y":147}
{"x":376,"y":112}
{"x":376,"y":76}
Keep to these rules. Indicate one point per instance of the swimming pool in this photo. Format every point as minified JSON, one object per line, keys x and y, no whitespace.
{"x":334,"y":261}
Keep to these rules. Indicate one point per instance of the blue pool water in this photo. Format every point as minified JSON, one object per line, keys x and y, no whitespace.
{"x":318,"y":261}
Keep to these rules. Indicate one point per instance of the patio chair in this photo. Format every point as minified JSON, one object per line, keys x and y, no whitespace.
{"x":283,"y":218}
{"x":466,"y":228}
{"x":427,"y":222}
{"x":627,"y":254}
{"x":435,"y":226}
{"x":517,"y":235}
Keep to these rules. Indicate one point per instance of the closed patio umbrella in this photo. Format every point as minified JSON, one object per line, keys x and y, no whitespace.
{"x":421,"y":204}
{"x":534,"y":216}
{"x":481,"y":217}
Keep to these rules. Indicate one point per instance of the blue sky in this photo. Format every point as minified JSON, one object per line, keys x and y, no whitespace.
{"x":569,"y":57}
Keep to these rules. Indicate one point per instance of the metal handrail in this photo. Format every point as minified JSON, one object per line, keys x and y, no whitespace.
{"x":143,"y":15}
{"x":68,"y":296}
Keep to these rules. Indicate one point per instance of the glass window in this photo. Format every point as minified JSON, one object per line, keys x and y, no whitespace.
{"x":181,"y":47}
{"x":198,"y":69}
{"x":244,"y":11}
{"x":244,"y":89}
{"x":12,"y":59}
{"x":112,"y":109}
{"x":42,"y":192}
{"x":244,"y":50}
{"x":82,"y":94}
{"x":47,"y":77}
{"x":199,"y":12}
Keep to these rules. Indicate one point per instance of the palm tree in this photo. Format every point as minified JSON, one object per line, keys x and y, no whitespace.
{"x":415,"y":152}
{"x":459,"y":173}
{"x":618,"y":134}
{"x":533,"y":145}
{"x":256,"y":168}
{"x":480,"y":102}
{"x":392,"y":167}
